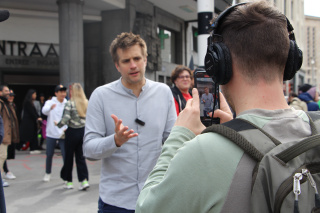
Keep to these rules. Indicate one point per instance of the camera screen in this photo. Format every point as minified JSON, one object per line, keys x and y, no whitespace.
{"x":207,"y":95}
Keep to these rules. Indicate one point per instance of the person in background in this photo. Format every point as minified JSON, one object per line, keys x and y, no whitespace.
{"x":37,"y":105}
{"x":181,"y":79}
{"x":296,"y":103}
{"x":54,"y":109}
{"x":29,"y":122}
{"x":4,"y":15}
{"x":11,"y":148}
{"x":11,"y":126}
{"x":310,"y":96}
{"x":128,"y":155}
{"x":43,"y":126}
{"x":74,"y":116}
{"x":207,"y":100}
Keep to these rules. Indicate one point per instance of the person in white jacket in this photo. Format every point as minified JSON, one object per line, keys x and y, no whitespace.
{"x":54,"y":109}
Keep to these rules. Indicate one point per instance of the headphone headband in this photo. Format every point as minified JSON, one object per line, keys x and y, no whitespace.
{"x":218,"y":61}
{"x":225,"y":13}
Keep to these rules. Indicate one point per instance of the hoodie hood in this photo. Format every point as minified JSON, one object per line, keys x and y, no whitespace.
{"x":305,"y":97}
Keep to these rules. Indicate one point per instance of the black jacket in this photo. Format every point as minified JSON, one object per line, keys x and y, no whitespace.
{"x":179,"y":98}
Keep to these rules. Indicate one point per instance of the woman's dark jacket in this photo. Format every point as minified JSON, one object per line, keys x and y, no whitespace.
{"x":28,"y":126}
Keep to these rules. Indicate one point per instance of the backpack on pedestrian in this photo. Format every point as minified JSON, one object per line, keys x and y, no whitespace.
{"x":286,"y":175}
{"x":296,"y":103}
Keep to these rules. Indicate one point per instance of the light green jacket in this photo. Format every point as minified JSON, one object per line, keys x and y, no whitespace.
{"x":194,"y":173}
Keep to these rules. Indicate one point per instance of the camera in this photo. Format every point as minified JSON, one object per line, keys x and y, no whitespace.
{"x":208,"y":95}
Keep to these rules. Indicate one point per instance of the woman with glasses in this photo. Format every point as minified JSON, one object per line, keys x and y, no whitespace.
{"x":181,"y":78}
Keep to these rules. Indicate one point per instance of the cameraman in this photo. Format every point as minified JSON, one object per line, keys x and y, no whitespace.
{"x":208,"y":172}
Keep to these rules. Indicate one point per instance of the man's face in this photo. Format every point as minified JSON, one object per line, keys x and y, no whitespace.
{"x":206,"y":90}
{"x":131,"y":65}
{"x":5,"y":92}
{"x":61,"y":94}
{"x":183,"y":82}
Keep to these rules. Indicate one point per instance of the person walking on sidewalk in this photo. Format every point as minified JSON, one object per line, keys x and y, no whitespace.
{"x":74,"y":115}
{"x":12,"y":147}
{"x":11,"y":126}
{"x":53,"y":109}
{"x":29,"y":122}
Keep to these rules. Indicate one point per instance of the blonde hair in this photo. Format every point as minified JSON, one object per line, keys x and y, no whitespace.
{"x":79,"y":98}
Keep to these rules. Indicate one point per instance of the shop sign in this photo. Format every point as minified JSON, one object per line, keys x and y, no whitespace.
{"x":18,"y":54}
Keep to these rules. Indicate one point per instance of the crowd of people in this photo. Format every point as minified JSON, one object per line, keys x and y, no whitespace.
{"x":45,"y":120}
{"x":148,"y":137}
{"x":307,"y":99}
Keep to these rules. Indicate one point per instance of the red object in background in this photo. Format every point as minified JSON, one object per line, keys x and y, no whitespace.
{"x":25,"y":146}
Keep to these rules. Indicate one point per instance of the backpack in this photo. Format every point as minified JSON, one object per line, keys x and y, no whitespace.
{"x":286,"y":176}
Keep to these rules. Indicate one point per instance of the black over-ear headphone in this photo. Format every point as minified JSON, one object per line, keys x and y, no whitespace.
{"x":218,"y":63}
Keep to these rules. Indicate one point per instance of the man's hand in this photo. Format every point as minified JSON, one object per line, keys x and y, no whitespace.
{"x":53,"y":106}
{"x":224,"y":113}
{"x":121,"y":134}
{"x":189,"y":117}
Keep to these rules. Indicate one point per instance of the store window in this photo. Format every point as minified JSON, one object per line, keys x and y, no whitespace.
{"x":195,"y":39}
{"x":164,"y":79}
{"x":168,"y":45}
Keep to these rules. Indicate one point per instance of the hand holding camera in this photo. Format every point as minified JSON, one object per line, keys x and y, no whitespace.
{"x":190,"y":116}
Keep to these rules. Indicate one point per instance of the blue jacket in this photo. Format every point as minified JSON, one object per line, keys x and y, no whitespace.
{"x":306,"y":97}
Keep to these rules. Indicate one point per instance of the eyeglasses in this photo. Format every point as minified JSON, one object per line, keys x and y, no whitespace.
{"x":184,"y":76}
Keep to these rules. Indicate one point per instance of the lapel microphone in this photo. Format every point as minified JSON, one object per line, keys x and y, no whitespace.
{"x":140,"y":122}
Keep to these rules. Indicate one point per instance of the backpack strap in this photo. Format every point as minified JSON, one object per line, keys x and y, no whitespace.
{"x":314,"y":118}
{"x":244,"y":134}
{"x":308,"y":143}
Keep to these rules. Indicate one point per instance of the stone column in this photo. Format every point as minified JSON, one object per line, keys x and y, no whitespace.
{"x":71,"y":41}
{"x":113,"y":23}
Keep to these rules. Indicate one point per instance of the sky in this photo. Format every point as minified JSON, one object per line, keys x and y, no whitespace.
{"x":312,"y":7}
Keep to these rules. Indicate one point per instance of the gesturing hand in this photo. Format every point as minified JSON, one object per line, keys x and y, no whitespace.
{"x":189,"y":117}
{"x":121,"y":134}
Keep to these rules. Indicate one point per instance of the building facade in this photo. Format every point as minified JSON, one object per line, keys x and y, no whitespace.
{"x":47,"y":42}
{"x":311,"y":54}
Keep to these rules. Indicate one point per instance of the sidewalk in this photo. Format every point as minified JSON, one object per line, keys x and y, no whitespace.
{"x":29,"y":194}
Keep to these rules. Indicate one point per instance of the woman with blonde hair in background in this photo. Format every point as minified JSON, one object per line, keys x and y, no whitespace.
{"x":74,"y":116}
